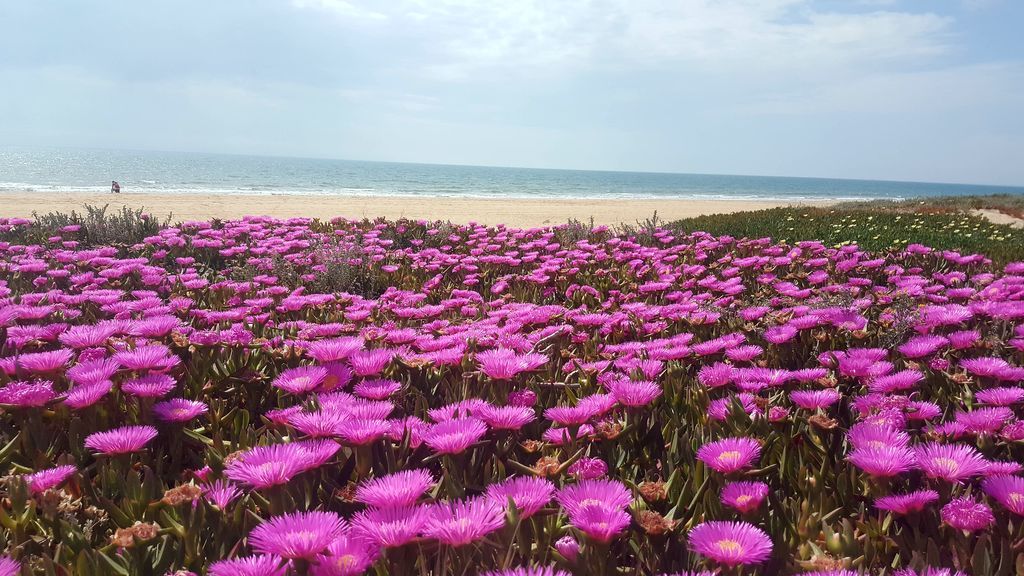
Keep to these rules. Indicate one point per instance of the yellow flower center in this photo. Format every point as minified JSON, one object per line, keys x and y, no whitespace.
{"x":730,"y":546}
{"x":345,"y":562}
{"x":729,"y":457}
{"x":946,"y":465}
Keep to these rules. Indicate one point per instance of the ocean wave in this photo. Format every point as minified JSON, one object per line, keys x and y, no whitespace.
{"x":359,"y":192}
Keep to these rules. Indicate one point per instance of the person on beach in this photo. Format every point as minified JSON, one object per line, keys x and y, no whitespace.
{"x":115,"y":188}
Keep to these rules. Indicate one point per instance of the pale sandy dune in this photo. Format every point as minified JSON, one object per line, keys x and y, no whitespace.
{"x":513,"y":212}
{"x":997,"y":217}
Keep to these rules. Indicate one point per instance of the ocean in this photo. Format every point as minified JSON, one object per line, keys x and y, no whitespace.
{"x":66,"y":169}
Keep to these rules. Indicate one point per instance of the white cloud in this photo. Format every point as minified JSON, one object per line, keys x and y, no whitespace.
{"x":529,"y":37}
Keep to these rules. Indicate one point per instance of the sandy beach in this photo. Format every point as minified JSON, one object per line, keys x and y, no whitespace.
{"x":513,"y":212}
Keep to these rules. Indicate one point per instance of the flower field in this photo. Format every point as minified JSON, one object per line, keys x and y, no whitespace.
{"x":267,"y":397}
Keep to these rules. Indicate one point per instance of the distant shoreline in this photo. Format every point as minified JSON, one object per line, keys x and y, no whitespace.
{"x":512,"y":212}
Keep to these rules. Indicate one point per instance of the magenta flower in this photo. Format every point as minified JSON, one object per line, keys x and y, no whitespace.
{"x":528,"y":493}
{"x":560,"y":436}
{"x":265,"y":466}
{"x":179,"y":410}
{"x":370,"y":362}
{"x":23,"y":394}
{"x":155,"y":357}
{"x":85,"y":395}
{"x":506,"y":417}
{"x":744,"y":353}
{"x":1007,"y":490}
{"x":454,"y":436}
{"x":399,"y":490}
{"x":221,"y":493}
{"x":902,"y":380}
{"x":780,"y":334}
{"x":929,"y":571}
{"x":45,"y":362}
{"x":730,"y":454}
{"x":152,"y":385}
{"x":588,"y":468}
{"x":985,"y":367}
{"x":569,"y":415}
{"x":460,"y":523}
{"x":390,"y":527}
{"x":634,"y":393}
{"x":505,"y":364}
{"x":964,"y":339}
{"x":730,"y":543}
{"x":44,"y":480}
{"x":9,"y":566}
{"x":259,"y":565}
{"x":522,"y":398}
{"x":92,"y":371}
{"x":967,"y":514}
{"x":744,"y":496}
{"x":907,"y":503}
{"x":297,"y":535}
{"x":362,"y":431}
{"x":334,"y":349}
{"x":984,"y":420}
{"x":950,"y":462}
{"x":338,"y":376}
{"x":377,"y":389}
{"x":716,"y":375}
{"x":998,"y":468}
{"x":814,"y":399}
{"x":599,"y":522}
{"x":345,"y":557}
{"x":301,"y":380}
{"x":460,"y":409}
{"x":539,"y":571}
{"x":921,"y":346}
{"x":1001,"y":396}
{"x":568,"y":547}
{"x":122,"y":440}
{"x":883,"y":461}
{"x":874,"y":435}
{"x":600,"y":493}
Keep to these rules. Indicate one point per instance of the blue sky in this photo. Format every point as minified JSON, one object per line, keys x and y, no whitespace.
{"x":925,"y":90}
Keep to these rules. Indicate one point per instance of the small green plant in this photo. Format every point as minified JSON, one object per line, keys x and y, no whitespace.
{"x":99,"y":228}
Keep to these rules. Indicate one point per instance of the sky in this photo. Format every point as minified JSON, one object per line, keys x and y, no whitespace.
{"x":926,"y":90}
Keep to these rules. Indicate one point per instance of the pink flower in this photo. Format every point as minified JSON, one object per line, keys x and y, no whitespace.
{"x":588,"y":468}
{"x":454,"y":436}
{"x":967,"y":514}
{"x":44,"y":480}
{"x":300,"y":380}
{"x":504,"y":364}
{"x":399,"y":490}
{"x":460,"y":523}
{"x":122,"y":440}
{"x":729,"y":454}
{"x":528,"y":493}
{"x":297,"y":535}
{"x":744,"y":496}
{"x":23,"y":394}
{"x":730,"y":543}
{"x":390,"y":527}
{"x":907,"y":503}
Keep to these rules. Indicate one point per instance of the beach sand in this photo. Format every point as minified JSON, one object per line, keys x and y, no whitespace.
{"x":513,"y":212}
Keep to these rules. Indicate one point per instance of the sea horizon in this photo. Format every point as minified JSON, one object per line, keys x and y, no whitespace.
{"x":90,"y":170}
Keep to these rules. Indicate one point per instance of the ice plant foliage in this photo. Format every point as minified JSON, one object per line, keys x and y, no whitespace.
{"x":286,"y":397}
